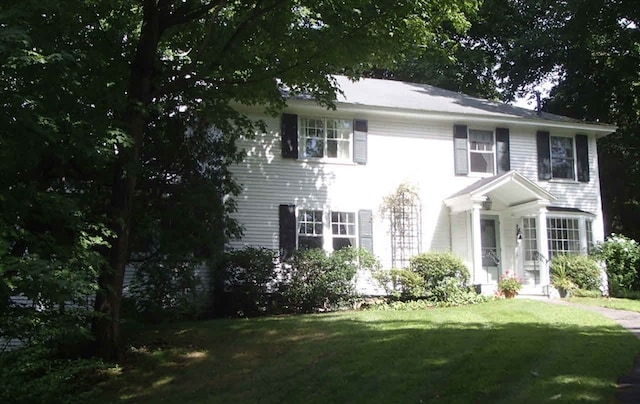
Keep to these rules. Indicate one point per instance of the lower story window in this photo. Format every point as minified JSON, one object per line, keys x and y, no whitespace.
{"x":529,"y":238}
{"x":310,"y":229}
{"x":563,"y":235}
{"x":343,"y":229}
{"x":589,"y":228}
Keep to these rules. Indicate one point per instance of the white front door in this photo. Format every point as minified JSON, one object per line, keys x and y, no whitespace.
{"x":490,"y":248}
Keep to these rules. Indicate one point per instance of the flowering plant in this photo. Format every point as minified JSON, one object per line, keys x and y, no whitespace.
{"x":509,"y":284}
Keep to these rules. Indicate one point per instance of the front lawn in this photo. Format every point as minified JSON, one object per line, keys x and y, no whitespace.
{"x":502,"y":351}
{"x":612,"y":303}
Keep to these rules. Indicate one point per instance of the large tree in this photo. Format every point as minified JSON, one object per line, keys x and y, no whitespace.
{"x":588,"y":50}
{"x":118,"y":124}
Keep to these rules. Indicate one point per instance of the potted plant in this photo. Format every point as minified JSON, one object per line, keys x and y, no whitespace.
{"x":509,"y":285}
{"x":561,"y":280}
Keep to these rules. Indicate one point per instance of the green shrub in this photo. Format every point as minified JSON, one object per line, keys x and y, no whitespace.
{"x":586,"y":293}
{"x":469,"y":297}
{"x":248,"y":276}
{"x":581,"y":270}
{"x":164,"y":291}
{"x":622,"y":258}
{"x":401,"y":283}
{"x":445,"y":275}
{"x":32,"y":375}
{"x":315,"y":280}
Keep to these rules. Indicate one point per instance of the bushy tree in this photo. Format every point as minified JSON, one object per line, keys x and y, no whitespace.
{"x":621,"y":256}
{"x":248,"y":277}
{"x":96,"y":95}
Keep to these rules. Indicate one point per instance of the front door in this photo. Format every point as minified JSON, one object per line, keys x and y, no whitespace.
{"x":490,"y":253}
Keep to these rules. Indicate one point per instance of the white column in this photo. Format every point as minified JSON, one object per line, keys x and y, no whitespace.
{"x":543,"y":247}
{"x":477,"y":244}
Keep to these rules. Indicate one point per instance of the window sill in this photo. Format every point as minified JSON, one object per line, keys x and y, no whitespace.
{"x":565,"y":181}
{"x":343,"y":162}
{"x":479,"y":175}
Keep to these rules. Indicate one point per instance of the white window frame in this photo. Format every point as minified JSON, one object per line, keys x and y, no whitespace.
{"x":574,"y":158}
{"x":530,"y":238}
{"x":584,"y":230}
{"x":311,"y":225}
{"x":349,"y":229}
{"x":319,"y":128}
{"x":471,"y":151}
{"x":344,"y":226}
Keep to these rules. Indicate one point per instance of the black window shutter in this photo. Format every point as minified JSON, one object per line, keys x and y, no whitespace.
{"x":544,"y":156}
{"x":289,"y":136}
{"x":582,"y":154}
{"x":460,"y":149}
{"x":502,"y":150}
{"x":360,"y":130}
{"x":287,"y":219}
{"x":365,"y":229}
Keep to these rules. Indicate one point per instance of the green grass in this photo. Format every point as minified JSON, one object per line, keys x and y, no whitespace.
{"x":612,"y":303}
{"x":503,"y":351}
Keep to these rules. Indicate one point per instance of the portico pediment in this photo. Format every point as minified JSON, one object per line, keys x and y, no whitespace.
{"x":511,"y":190}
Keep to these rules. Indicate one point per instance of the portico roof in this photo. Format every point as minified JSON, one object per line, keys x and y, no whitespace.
{"x":510,"y":189}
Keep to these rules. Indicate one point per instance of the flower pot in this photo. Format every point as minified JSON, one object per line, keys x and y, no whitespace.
{"x":509,"y":294}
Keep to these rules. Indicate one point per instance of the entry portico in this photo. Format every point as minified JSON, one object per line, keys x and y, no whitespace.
{"x":499,"y":224}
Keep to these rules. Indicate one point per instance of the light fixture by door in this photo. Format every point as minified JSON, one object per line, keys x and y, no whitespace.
{"x":486,"y":204}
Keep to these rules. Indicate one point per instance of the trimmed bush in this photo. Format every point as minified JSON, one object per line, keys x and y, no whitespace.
{"x":248,"y":277}
{"x":586,"y":293}
{"x":315,"y":280}
{"x":581,"y":270}
{"x":164,"y":291}
{"x":435,"y":276}
{"x":445,"y":275}
{"x":622,"y":258}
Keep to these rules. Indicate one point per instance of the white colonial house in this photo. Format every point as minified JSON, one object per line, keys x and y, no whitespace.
{"x":501,"y":187}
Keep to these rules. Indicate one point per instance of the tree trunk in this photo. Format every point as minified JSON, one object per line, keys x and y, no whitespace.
{"x":106,"y":326}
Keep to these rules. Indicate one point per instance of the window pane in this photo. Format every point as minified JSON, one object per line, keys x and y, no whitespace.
{"x":480,"y":140}
{"x":313,"y":148}
{"x":340,"y":242}
{"x":307,"y":242}
{"x":562,"y":158}
{"x":481,"y":162}
{"x":332,"y":148}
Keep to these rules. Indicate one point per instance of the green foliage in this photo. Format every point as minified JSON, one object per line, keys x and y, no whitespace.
{"x":167,"y":293}
{"x":315,"y":280}
{"x":561,"y":280}
{"x":586,"y":293}
{"x":445,"y":275}
{"x":32,"y":375}
{"x":437,"y":277}
{"x":581,"y":270}
{"x":94,"y":102}
{"x":460,"y":299}
{"x":621,"y":256}
{"x":248,"y":275}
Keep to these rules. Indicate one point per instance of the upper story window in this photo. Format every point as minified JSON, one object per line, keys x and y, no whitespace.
{"x":323,"y":137}
{"x":478,"y":151}
{"x":562,"y":157}
{"x":481,"y":151}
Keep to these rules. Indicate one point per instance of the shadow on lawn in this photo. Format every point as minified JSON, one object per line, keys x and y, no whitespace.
{"x":362,"y":357}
